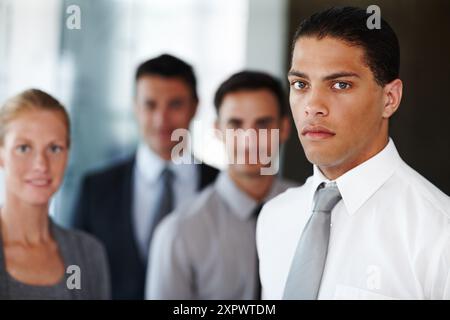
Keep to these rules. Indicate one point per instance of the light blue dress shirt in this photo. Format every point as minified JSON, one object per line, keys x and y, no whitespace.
{"x":147,"y":188}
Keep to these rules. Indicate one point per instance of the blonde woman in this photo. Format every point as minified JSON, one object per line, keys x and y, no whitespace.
{"x":39,"y":259}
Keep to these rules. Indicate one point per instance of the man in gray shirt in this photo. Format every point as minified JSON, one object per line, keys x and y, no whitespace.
{"x":206,"y":249}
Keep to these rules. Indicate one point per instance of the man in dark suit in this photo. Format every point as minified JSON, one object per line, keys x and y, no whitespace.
{"x":122,"y":204}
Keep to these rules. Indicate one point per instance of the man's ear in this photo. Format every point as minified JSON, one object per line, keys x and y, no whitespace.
{"x":285,"y":129}
{"x":393,"y":95}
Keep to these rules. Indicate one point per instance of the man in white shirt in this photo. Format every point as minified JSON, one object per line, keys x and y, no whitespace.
{"x":387,"y":234}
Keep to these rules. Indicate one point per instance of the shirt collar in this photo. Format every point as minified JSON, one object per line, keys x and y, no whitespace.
{"x":360,"y":183}
{"x":241,"y":204}
{"x":318,"y":179}
{"x":149,"y":165}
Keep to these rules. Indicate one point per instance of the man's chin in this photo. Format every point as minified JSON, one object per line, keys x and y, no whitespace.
{"x":320,"y":159}
{"x":249,"y":169}
{"x":162,"y":148}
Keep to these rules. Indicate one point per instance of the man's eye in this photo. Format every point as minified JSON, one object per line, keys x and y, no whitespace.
{"x":150,"y":105}
{"x":176,"y":104}
{"x":233,"y":125}
{"x":299,"y":85}
{"x":23,"y":148}
{"x":263,"y":125}
{"x":341,"y":85}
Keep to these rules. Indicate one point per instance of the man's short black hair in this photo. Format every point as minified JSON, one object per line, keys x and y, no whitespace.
{"x":252,"y":80}
{"x":382,"y":50}
{"x":169,"y":66}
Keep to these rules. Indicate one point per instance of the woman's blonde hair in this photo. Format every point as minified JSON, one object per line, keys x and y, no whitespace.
{"x":31,"y":99}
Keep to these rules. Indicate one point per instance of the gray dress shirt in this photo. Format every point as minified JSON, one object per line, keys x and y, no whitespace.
{"x":206,"y":249}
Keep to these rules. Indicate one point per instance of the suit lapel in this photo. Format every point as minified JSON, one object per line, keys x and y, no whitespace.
{"x":127,"y":212}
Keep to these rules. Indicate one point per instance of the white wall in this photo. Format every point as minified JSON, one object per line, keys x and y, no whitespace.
{"x":267,"y":32}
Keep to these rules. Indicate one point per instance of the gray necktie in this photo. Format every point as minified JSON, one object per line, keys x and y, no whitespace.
{"x":165,"y":204}
{"x":256,"y":213}
{"x":305,"y":276}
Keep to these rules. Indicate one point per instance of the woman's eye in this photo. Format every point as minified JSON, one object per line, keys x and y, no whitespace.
{"x":56,"y":149}
{"x":299,"y":85}
{"x":23,"y":148}
{"x":341,"y":85}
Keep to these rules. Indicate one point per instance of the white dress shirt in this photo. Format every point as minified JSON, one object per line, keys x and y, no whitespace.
{"x":147,"y":189}
{"x":390,"y":234}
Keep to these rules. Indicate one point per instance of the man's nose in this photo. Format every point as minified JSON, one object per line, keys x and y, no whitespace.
{"x":315,"y":104}
{"x":161,"y":117}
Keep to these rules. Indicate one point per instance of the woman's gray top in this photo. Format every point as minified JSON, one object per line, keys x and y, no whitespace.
{"x":86,"y":265}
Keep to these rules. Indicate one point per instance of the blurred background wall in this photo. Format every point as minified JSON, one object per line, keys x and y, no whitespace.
{"x":91,"y":70}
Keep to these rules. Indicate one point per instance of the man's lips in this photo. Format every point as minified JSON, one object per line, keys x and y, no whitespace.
{"x":317,"y":132}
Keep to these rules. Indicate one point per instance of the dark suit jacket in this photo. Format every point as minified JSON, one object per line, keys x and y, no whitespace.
{"x":104,"y":209}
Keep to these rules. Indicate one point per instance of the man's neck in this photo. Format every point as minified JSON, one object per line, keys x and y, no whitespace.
{"x":255,"y":186}
{"x":335,"y":171}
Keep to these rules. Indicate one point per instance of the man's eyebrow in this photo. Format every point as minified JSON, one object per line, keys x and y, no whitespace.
{"x":298,"y":74}
{"x":341,"y":75}
{"x":332,"y":76}
{"x":265,"y":119}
